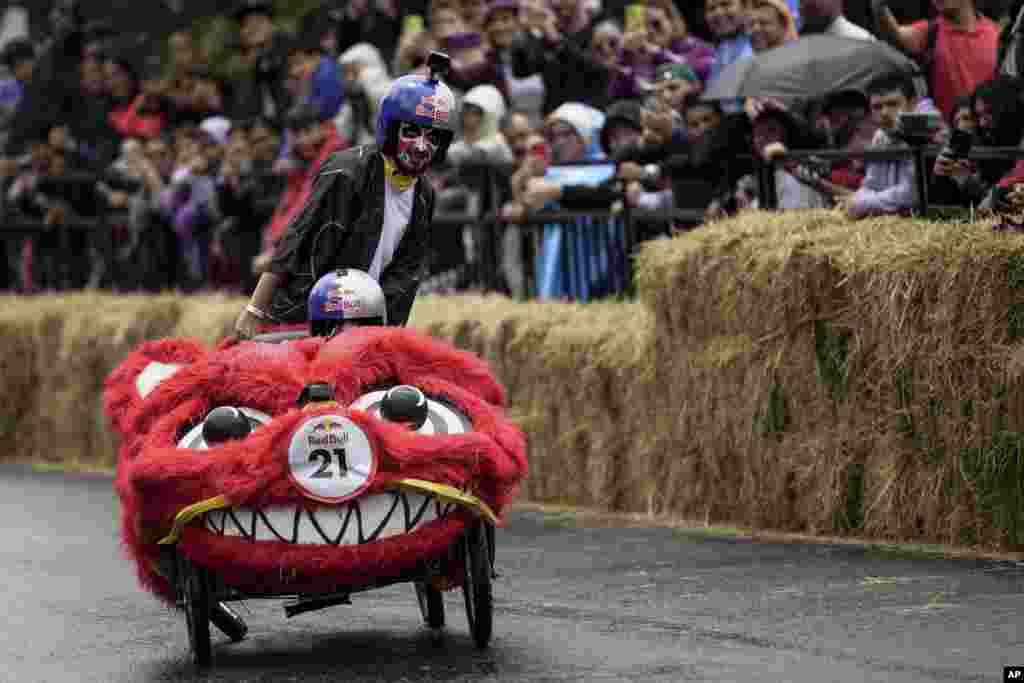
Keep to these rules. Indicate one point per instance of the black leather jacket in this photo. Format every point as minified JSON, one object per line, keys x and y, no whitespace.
{"x":340,"y":227}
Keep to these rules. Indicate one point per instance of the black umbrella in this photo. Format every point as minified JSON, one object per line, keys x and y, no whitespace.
{"x":809,"y":68}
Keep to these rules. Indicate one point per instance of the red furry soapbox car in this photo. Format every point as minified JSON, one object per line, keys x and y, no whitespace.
{"x":310,"y":469}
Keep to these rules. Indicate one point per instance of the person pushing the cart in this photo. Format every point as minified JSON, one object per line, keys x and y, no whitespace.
{"x":370,"y":209}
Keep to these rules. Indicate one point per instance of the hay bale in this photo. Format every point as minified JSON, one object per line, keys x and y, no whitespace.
{"x":578,"y":376}
{"x":792,"y":371}
{"x":18,"y":374}
{"x":759,"y":274}
{"x":888,"y":332}
{"x":97,"y":332}
{"x":208,"y":317}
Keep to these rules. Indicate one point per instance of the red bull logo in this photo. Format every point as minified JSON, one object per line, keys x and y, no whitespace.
{"x":327,"y":425}
{"x":434,"y":107}
{"x":327,"y":433}
{"x":345,"y":305}
{"x":341,"y":299}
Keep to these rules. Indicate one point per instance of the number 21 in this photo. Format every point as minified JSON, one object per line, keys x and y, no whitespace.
{"x":325,"y":471}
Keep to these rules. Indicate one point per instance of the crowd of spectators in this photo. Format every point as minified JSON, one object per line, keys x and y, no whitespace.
{"x":148,"y":167}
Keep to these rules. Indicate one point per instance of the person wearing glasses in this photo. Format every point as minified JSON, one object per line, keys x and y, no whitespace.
{"x":369,"y":209}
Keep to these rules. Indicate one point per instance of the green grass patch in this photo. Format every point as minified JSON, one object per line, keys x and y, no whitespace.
{"x":561,"y":520}
{"x":832,"y":350}
{"x":1015,"y":271}
{"x":775,"y":417}
{"x":8,"y":424}
{"x":904,"y":551}
{"x":703,"y":533}
{"x":851,"y":516}
{"x":70,"y":468}
{"x":997,"y":472}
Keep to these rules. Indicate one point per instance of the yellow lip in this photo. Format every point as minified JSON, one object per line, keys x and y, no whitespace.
{"x":447,"y":493}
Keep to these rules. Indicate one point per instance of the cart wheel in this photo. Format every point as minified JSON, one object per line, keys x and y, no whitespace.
{"x":195,"y":594}
{"x":477,"y":586}
{"x":431,"y":604}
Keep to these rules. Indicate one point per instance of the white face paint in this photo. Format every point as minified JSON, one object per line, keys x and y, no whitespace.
{"x":417,"y":146}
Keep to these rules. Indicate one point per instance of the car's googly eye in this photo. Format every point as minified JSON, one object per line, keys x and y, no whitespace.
{"x":223,"y":424}
{"x":402,"y":404}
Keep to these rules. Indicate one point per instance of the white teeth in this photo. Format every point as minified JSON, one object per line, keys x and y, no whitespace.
{"x":215,"y":520}
{"x":427,"y":512}
{"x":331,"y":521}
{"x":307,"y":532}
{"x":367,"y":519}
{"x":281,"y":521}
{"x":385,"y":514}
{"x":237,"y":522}
{"x":416,"y":507}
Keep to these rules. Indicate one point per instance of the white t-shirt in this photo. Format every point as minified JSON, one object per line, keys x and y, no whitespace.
{"x":397,"y":214}
{"x":844,"y":28}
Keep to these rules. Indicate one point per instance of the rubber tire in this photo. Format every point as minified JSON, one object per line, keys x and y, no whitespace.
{"x":431,"y":602}
{"x":228,"y":622}
{"x":476,"y":589}
{"x":195,"y":593}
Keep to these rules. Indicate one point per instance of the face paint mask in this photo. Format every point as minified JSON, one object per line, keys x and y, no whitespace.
{"x":416,"y":148}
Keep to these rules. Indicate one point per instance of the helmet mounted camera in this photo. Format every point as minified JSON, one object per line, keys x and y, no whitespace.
{"x":424,"y":101}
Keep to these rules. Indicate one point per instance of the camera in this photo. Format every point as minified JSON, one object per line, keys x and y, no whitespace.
{"x":918,"y":129}
{"x":438,"y":63}
{"x":959,"y":145}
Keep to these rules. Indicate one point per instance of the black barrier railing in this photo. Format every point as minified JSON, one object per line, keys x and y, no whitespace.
{"x":596,"y":246}
{"x":489,"y":226}
{"x":607,"y":257}
{"x":922,"y":156}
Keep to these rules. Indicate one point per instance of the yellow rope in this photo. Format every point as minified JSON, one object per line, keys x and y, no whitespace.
{"x":189,"y":513}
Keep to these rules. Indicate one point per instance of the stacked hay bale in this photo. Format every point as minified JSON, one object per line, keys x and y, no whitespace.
{"x":844,"y":376}
{"x":578,"y":380}
{"x":793,"y":371}
{"x":19,"y":368}
{"x":60,"y":349}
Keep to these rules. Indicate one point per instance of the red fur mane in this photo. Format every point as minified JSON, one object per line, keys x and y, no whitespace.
{"x":156,"y":479}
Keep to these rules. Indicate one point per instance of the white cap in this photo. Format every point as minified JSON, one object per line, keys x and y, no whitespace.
{"x":217,"y":127}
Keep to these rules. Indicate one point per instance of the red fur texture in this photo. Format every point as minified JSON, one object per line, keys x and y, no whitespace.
{"x":156,"y":479}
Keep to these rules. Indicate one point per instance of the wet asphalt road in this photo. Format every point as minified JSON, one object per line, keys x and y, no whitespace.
{"x":574,"y":603}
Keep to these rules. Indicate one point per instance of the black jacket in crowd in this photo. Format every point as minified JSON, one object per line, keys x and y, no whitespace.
{"x":340,"y":227}
{"x":570,"y":74}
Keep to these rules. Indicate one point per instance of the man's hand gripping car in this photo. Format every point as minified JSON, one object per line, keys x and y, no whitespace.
{"x":240,"y":474}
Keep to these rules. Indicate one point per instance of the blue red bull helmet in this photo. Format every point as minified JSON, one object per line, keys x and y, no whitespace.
{"x":426,"y":102}
{"x":345,"y":298}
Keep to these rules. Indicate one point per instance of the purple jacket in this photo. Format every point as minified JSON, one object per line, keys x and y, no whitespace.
{"x":633,"y":75}
{"x":700,"y":55}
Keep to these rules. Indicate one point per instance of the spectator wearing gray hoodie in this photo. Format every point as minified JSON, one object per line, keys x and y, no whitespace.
{"x":483,"y":109}
{"x":478,"y":159}
{"x":366,"y":79}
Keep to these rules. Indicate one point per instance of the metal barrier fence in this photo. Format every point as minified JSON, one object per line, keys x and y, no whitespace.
{"x":922,"y":155}
{"x":577,"y":255}
{"x":596,"y":243}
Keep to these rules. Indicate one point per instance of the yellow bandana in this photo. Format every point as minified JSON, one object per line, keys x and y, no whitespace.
{"x":398,"y":181}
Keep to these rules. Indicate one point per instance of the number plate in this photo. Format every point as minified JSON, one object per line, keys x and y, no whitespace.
{"x":331,"y":459}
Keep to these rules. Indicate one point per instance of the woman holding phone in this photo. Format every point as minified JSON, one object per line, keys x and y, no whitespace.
{"x":557,"y":45}
{"x":448,"y":32}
